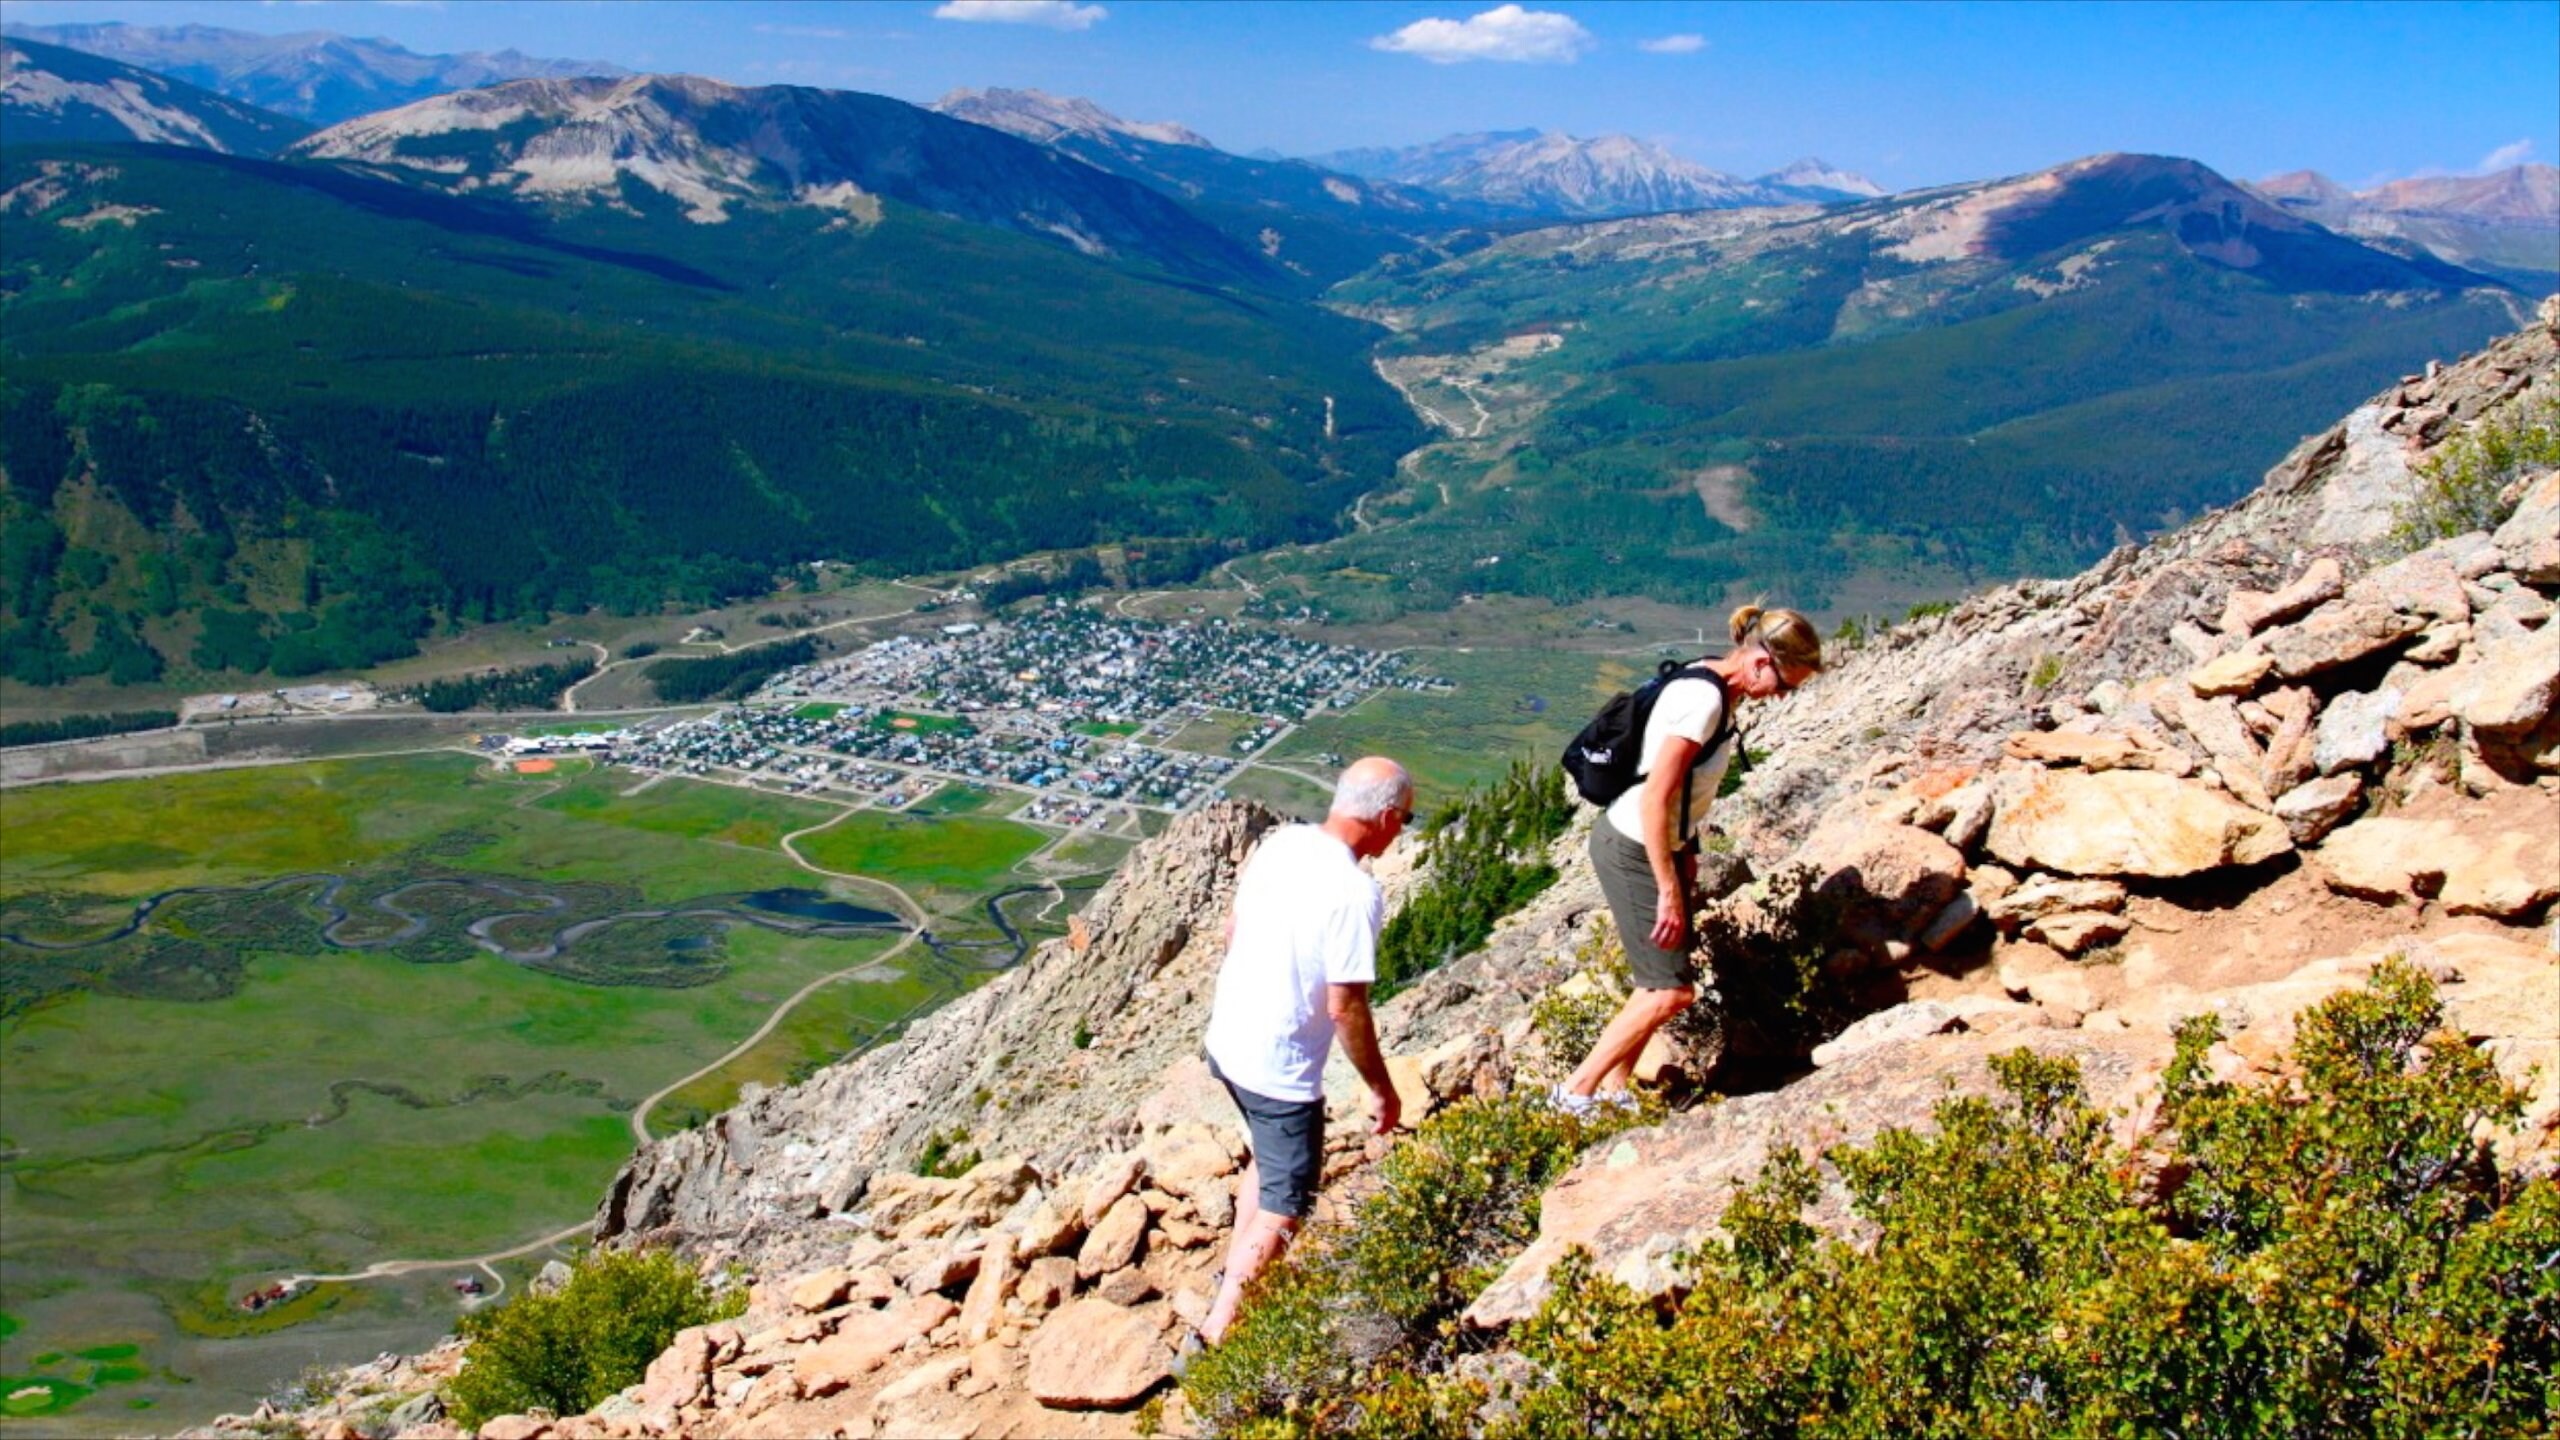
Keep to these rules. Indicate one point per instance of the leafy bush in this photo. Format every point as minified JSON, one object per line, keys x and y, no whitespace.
{"x":2460,"y":484}
{"x":943,"y":1155}
{"x":1568,"y":1021}
{"x":1455,"y":1201}
{"x":1487,"y":858}
{"x":566,"y":1351}
{"x":2338,"y":1256}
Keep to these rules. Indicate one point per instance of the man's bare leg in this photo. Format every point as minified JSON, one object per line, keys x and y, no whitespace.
{"x":1260,"y":1235}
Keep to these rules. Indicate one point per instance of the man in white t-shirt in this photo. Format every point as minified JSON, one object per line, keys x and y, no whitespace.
{"x":1302,"y":949}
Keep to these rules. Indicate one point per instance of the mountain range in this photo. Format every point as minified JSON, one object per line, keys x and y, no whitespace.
{"x":2507,"y":221}
{"x":280,"y":404}
{"x":51,"y":94}
{"x":314,"y":76}
{"x":1530,"y":172}
{"x":1867,"y":404}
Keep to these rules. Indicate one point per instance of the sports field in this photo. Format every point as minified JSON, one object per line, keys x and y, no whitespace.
{"x":271,"y":1102}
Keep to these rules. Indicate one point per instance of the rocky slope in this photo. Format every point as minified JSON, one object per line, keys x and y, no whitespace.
{"x":2228,"y":771}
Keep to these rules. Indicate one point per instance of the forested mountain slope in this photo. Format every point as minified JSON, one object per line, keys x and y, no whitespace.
{"x":1939,"y":388}
{"x":287,"y":415}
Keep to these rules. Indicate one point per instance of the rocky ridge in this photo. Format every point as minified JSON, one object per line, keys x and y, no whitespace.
{"x":2226,"y":772}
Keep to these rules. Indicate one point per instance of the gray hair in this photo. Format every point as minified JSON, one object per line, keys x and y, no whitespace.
{"x":1370,"y":788}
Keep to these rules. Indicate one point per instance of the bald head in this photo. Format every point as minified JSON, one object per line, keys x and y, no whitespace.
{"x":1369,"y":788}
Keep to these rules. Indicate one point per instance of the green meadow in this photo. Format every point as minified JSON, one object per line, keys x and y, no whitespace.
{"x":941,"y":860}
{"x":310,"y":1109}
{"x":1503,"y":704}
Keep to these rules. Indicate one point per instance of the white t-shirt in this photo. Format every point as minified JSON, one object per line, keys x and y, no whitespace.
{"x":1687,"y":708}
{"x":1307,"y":916}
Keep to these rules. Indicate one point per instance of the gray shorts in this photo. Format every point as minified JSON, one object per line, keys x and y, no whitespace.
{"x":1626,"y":880}
{"x":1288,"y":1143}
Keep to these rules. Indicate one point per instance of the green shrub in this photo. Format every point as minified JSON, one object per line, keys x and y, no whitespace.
{"x":568,"y":1350}
{"x":1454,"y":1202}
{"x":2338,"y":1256}
{"x":943,"y":1156}
{"x":1568,"y":1024}
{"x":1927,"y":608}
{"x":2048,"y":669}
{"x":2460,"y":484}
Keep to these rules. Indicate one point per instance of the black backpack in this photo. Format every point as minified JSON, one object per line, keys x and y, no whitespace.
{"x":1606,"y":759}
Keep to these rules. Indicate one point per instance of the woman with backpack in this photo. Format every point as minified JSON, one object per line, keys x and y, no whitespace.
{"x":1644,"y":846}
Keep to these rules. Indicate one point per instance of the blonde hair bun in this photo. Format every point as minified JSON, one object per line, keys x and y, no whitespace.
{"x":1787,"y":634}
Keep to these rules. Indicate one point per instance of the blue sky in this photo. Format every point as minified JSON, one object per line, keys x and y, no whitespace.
{"x":1910,"y":94}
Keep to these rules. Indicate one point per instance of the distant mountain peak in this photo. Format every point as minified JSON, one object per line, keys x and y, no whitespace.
{"x":314,"y":75}
{"x":1041,"y":117}
{"x":49,"y":93}
{"x":1814,"y":173}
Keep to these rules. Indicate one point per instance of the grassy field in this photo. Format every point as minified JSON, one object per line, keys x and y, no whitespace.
{"x":1504,"y":704}
{"x":1215,"y":733}
{"x":911,"y":720}
{"x":942,"y":861}
{"x":332,"y":1108}
{"x":1291,"y":795}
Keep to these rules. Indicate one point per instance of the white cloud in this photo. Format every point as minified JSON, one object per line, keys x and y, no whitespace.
{"x":1048,"y":14}
{"x":1506,"y":32}
{"x":2506,"y":156}
{"x":1673,"y":45}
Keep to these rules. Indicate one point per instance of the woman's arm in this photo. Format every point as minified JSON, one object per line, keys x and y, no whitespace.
{"x":1662,"y":789}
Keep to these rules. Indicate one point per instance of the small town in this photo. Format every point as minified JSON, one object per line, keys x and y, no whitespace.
{"x":1095,"y":717}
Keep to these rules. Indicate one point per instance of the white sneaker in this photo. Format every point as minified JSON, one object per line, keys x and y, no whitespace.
{"x":1619,"y":1100}
{"x":1565,"y":1102}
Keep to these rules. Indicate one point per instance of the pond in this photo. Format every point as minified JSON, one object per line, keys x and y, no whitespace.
{"x":814,"y":905}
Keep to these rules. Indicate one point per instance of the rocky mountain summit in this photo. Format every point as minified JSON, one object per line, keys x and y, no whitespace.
{"x":2229,"y":772}
{"x":1040,"y":117}
{"x":707,"y":146}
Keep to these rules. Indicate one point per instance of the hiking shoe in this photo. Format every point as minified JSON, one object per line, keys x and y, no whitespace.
{"x":1189,"y":1350}
{"x":1565,"y":1102}
{"x":1618,"y":1100}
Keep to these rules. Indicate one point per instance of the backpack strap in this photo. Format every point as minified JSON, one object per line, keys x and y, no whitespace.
{"x":1666,"y":673}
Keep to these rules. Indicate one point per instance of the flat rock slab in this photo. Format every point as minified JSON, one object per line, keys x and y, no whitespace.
{"x":2128,"y":822}
{"x":2470,"y":868}
{"x":864,"y":1341}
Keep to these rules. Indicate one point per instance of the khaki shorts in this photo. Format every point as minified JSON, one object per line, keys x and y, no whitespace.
{"x":1626,"y":879}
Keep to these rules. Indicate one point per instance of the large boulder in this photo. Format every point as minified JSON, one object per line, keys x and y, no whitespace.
{"x":2529,"y":541}
{"x":2339,"y":633}
{"x":2510,"y":683}
{"x":2127,"y":822}
{"x":1116,"y":1239}
{"x":1094,"y":1355}
{"x":2475,"y":867}
{"x":1893,"y":877}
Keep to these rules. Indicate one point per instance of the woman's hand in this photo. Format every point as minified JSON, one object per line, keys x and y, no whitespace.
{"x":1670,"y":918}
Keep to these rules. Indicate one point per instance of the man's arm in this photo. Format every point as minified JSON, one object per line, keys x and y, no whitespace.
{"x":1349,"y":1005}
